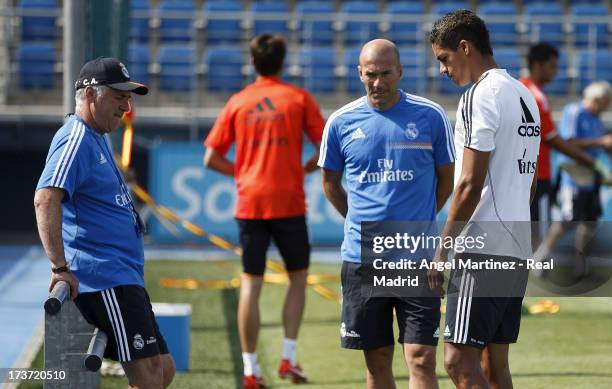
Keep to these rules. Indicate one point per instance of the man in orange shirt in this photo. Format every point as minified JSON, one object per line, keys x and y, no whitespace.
{"x":267,"y":121}
{"x":542,"y":61}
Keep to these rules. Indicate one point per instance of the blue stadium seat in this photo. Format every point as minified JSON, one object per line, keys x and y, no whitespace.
{"x":593,"y":66}
{"x":350,"y":63}
{"x":270,"y":17}
{"x":509,"y":58}
{"x":501,"y":22}
{"x":139,"y":58}
{"x":560,"y":85}
{"x":528,"y":2}
{"x":317,"y":69}
{"x":544,"y":23}
{"x":36,"y":62}
{"x":224,"y":68}
{"x":405,"y":32}
{"x":441,"y":9}
{"x":588,"y":30}
{"x":357,"y":32}
{"x":222,"y":30}
{"x":139,"y":21}
{"x":176,"y":24}
{"x":414,"y":63}
{"x":313,"y":30}
{"x":483,"y":2}
{"x":35,"y":27}
{"x":177,"y":67}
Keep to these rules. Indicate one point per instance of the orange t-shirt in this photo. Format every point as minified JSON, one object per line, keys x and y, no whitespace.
{"x":547,"y":128}
{"x":267,"y":120}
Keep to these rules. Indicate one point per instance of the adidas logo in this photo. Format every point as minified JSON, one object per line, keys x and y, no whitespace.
{"x":358,"y":134}
{"x":447,"y":332}
{"x":529,"y":128}
{"x":264,"y":111}
{"x":102,"y":159}
{"x":437,"y":333}
{"x":264,"y":105}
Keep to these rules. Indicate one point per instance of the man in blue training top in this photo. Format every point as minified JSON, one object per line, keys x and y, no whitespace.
{"x":413,"y":139}
{"x":91,"y":231}
{"x":581,"y":203}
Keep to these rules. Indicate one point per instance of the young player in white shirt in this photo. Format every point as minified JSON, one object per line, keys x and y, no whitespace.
{"x":497,"y":137}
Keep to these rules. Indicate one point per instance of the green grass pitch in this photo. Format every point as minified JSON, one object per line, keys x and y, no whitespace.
{"x":570,"y":349}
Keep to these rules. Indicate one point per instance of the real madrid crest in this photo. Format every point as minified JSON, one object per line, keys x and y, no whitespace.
{"x":138,"y":342}
{"x":411,"y":131}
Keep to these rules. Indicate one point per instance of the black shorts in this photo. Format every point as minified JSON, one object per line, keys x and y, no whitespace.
{"x":290,"y":236}
{"x":125,"y":314}
{"x":478,"y":321}
{"x":586,"y":205}
{"x":367,"y":322}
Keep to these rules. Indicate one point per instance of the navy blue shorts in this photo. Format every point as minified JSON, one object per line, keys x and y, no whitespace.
{"x":125,"y":314}
{"x":474,"y":315}
{"x":367,"y":322}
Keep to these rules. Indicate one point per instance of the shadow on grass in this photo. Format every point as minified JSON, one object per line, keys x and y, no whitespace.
{"x":402,"y":377}
{"x":563,"y":374}
{"x":230,"y":302}
{"x":220,"y":372}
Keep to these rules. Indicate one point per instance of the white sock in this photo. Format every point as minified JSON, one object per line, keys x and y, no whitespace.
{"x":251,"y":366}
{"x":289,"y":350}
{"x":541,"y":253}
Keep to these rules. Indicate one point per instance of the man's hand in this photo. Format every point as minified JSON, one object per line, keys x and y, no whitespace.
{"x":606,"y":141}
{"x":69,"y":278}
{"x":311,"y":165}
{"x":334,"y":191}
{"x":435,"y":279}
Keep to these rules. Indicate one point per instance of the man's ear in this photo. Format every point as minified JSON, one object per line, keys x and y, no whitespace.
{"x":359,"y":71}
{"x":464,"y":46}
{"x":89,"y":94}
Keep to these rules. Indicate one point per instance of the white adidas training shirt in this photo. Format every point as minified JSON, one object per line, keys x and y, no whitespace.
{"x":498,"y":114}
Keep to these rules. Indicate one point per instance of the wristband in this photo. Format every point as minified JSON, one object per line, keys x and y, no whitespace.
{"x":60,"y":269}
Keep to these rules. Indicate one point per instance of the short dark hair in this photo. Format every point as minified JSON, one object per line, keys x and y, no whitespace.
{"x":268,"y":53}
{"x":453,"y":27}
{"x":540,"y":53}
